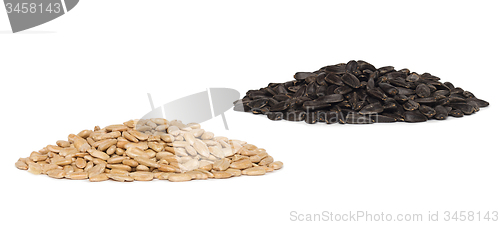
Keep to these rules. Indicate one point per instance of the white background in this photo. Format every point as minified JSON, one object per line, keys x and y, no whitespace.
{"x":95,"y":66}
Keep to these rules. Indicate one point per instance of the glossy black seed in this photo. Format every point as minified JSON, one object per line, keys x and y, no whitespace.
{"x":362,"y":65}
{"x":449,"y":85}
{"x":257,"y":104}
{"x":468,"y":94}
{"x":467,"y":109}
{"x":401,"y":98}
{"x":320,"y":80}
{"x":414,"y":117}
{"x":423,"y":91}
{"x":300,"y":92}
{"x":314,"y":105}
{"x":259,"y":110}
{"x":441,"y":112}
{"x":321,"y":91}
{"x":373,"y":108}
{"x":479,"y":102}
{"x":311,"y":90}
{"x":331,"y":89}
{"x":382,"y":119}
{"x":427,"y":100}
{"x":456,"y":113}
{"x":399,"y":81}
{"x":397,"y":117}
{"x":311,"y":79}
{"x":281,"y":89}
{"x":432,"y":88}
{"x":388,"y":88}
{"x":427,"y":111}
{"x":272,"y":102}
{"x":405,"y":91}
{"x":441,"y":92}
{"x":411,"y":105}
{"x":457,"y":100}
{"x":336,"y":69}
{"x":294,"y":89}
{"x":351,"y":80}
{"x":385,"y":69}
{"x":457,"y":91}
{"x":377,"y":93}
{"x":333,"y":98}
{"x":334,"y":79}
{"x":390,"y":105}
{"x":352,"y":68}
{"x":412,"y":77}
{"x":358,"y":105}
{"x":302,"y":75}
{"x":344,"y":104}
{"x":281,"y":106}
{"x":371,"y":83}
{"x":342,"y":90}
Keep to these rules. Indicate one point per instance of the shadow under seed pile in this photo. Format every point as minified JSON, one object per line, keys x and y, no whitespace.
{"x":359,"y":93}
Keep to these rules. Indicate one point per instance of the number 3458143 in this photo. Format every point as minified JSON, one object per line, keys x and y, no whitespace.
{"x":33,"y":8}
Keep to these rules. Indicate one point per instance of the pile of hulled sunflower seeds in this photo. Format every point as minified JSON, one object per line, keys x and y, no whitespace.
{"x":144,"y":150}
{"x":359,"y":93}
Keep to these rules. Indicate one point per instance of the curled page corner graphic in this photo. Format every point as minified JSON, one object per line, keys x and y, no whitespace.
{"x":197,"y":108}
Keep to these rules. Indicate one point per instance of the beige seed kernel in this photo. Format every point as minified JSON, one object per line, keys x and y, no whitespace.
{"x":35,"y":168}
{"x":241,"y":164}
{"x":77,"y":175}
{"x":222,"y":164}
{"x":142,"y":168}
{"x":89,"y":166}
{"x":179,"y":177}
{"x":130,"y":162}
{"x":142,"y":176}
{"x":266,"y":161}
{"x":111,"y":150}
{"x":80,"y":163}
{"x":276,"y":165}
{"x":117,"y":159}
{"x":207,"y":136}
{"x":98,"y":154}
{"x":117,"y":171}
{"x":21,"y":165}
{"x":254,"y":171}
{"x":234,"y":172}
{"x":148,"y":149}
{"x":57,"y":173}
{"x":98,"y":177}
{"x":119,"y":166}
{"x":84,"y":133}
{"x":62,"y":143}
{"x":221,"y":174}
{"x":120,"y":177}
{"x":197,"y":175}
